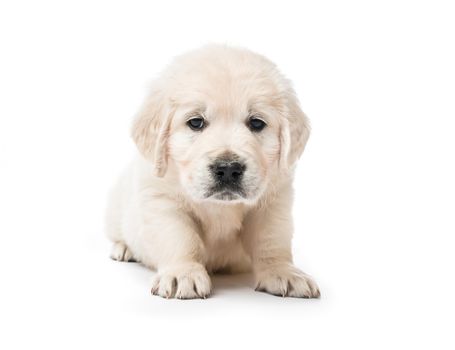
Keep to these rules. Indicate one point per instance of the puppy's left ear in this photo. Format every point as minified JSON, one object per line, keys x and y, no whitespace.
{"x":295,"y":130}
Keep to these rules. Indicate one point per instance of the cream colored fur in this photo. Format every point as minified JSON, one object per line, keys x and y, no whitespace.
{"x":157,"y":213}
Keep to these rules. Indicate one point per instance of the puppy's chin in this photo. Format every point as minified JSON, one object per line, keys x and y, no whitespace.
{"x":226,"y":200}
{"x":225,"y":197}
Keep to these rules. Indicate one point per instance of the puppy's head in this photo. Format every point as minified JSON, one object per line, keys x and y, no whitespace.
{"x":227,"y":120}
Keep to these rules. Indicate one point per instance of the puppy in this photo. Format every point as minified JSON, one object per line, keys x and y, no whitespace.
{"x":211,"y":188}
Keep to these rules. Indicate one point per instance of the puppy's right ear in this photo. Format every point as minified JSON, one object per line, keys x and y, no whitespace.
{"x":150,"y":130}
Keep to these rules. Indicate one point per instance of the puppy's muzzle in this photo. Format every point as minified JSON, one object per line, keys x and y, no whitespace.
{"x":227,"y":174}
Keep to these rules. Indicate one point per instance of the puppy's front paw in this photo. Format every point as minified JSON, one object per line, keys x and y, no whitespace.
{"x":286,"y":280}
{"x":187,"y":281}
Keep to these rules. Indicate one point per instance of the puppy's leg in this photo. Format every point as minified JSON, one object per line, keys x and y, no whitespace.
{"x":120,"y":252}
{"x":268,"y":234}
{"x":169,"y":241}
{"x":113,"y":225}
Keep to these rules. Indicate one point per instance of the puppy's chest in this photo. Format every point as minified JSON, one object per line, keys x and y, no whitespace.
{"x":220,"y":224}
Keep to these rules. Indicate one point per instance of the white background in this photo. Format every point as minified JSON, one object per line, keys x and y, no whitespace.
{"x":375,"y":193}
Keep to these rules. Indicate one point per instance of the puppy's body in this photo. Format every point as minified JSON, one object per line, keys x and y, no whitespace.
{"x":218,"y":226}
{"x":211,"y":190}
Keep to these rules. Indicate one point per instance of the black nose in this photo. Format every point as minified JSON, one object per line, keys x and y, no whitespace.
{"x":228,"y":172}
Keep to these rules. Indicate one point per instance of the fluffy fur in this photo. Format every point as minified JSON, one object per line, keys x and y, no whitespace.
{"x":162,"y":214}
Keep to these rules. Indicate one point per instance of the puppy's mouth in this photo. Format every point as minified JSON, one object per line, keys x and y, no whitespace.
{"x":226,"y":196}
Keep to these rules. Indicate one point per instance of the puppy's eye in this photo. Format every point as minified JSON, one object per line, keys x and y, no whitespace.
{"x":255,"y":124}
{"x":196,"y":123}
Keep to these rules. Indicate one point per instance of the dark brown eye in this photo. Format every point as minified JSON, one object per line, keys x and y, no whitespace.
{"x":196,"y":123}
{"x":256,"y":124}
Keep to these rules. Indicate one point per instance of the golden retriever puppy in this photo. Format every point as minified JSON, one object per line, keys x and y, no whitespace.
{"x":211,"y":189}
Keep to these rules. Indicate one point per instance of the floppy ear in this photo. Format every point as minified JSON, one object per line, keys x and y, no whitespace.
{"x":150,"y":131}
{"x":295,"y":130}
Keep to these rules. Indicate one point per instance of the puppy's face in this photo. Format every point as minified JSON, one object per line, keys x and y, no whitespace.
{"x":224,"y":150}
{"x":227,"y":121}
